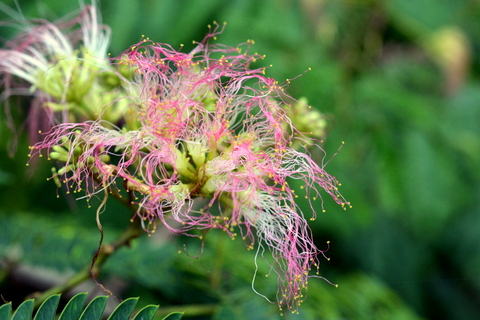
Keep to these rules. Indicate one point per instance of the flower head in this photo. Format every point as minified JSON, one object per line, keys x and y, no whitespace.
{"x":209,"y":130}
{"x":65,"y":67}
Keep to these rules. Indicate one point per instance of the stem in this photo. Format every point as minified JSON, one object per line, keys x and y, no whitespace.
{"x":216,"y":273}
{"x":189,"y":310}
{"x":132,"y":232}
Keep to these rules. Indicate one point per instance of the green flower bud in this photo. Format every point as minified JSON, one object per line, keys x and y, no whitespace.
{"x":197,"y":153}
{"x":184,"y":167}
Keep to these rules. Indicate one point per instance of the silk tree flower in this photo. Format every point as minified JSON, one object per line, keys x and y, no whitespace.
{"x":212,"y":149}
{"x":65,"y":66}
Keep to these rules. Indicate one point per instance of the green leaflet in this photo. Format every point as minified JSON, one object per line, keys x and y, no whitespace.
{"x":24,"y":311}
{"x":146,"y":313}
{"x":6,"y":311}
{"x":124,"y":310}
{"x":94,"y":310}
{"x":74,"y":307}
{"x":174,"y":316}
{"x":48,"y":308}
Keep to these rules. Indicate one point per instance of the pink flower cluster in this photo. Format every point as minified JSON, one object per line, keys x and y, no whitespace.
{"x":55,"y":57}
{"x":209,"y":146}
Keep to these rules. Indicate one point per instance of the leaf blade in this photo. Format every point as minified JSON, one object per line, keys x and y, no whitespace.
{"x":146,"y":313}
{"x":48,"y":308}
{"x":24,"y":311}
{"x":6,"y":311}
{"x":74,"y":307}
{"x":174,"y":316}
{"x":124,"y":310}
{"x":95,"y":308}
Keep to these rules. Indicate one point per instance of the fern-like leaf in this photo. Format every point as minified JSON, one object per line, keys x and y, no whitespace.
{"x":74,"y":310}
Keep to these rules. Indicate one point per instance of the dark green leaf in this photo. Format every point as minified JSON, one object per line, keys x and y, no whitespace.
{"x":6,"y":311}
{"x":174,"y":316}
{"x":425,"y":14}
{"x":124,"y":310}
{"x":146,"y":313}
{"x":94,"y":310}
{"x":48,"y":308}
{"x":24,"y":311}
{"x":74,"y":307}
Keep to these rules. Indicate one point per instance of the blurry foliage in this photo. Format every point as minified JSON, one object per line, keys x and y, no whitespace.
{"x":408,"y":111}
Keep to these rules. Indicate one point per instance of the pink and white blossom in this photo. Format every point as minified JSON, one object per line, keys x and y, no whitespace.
{"x":209,"y":129}
{"x":65,"y":66}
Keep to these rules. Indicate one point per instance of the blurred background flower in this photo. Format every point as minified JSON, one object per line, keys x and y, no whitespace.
{"x":399,"y":83}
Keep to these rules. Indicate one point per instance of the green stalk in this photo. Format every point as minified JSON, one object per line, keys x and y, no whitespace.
{"x":105,"y":251}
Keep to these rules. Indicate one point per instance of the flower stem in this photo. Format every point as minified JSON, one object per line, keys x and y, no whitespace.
{"x":105,"y":251}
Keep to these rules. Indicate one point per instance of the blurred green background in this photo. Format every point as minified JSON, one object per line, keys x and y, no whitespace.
{"x":400,"y":83}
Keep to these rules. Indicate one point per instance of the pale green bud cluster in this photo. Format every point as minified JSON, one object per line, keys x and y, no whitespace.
{"x":307,"y":120}
{"x":87,"y":87}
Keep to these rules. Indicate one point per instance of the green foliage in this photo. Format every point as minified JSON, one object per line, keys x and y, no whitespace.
{"x":74,"y":310}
